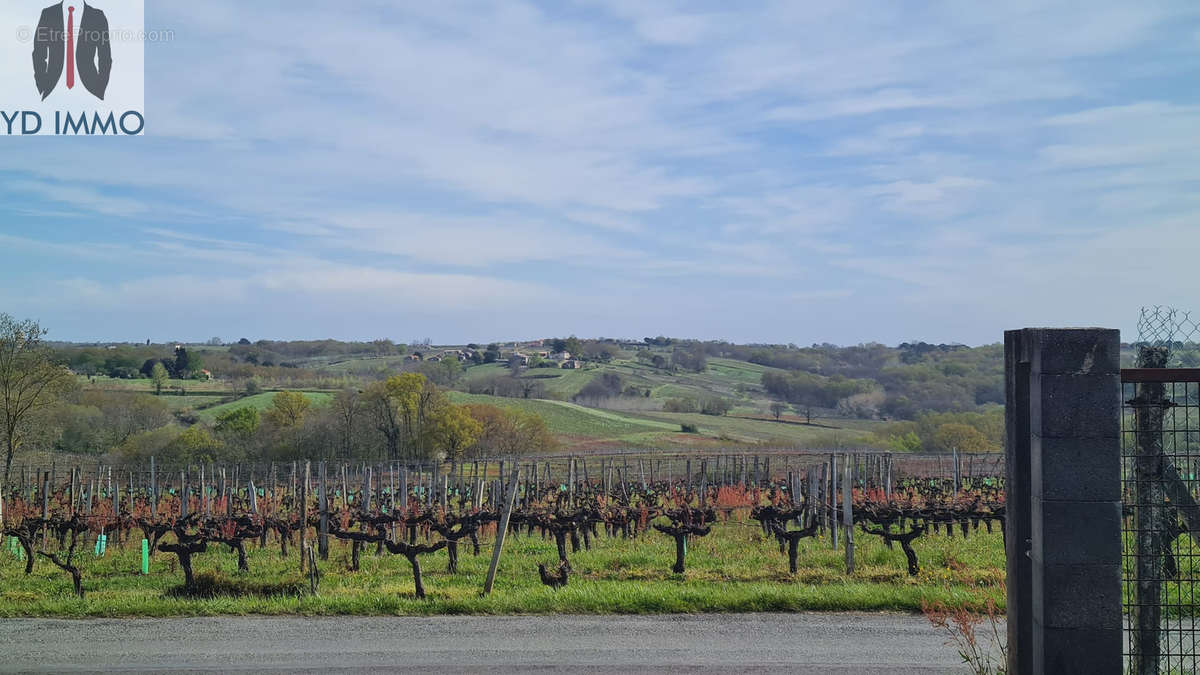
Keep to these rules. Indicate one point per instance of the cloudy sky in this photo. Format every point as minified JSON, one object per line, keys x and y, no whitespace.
{"x":754,"y":171}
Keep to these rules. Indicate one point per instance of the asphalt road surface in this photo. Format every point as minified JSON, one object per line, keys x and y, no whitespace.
{"x":804,"y":643}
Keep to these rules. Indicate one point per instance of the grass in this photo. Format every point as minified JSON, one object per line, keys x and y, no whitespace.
{"x":733,"y":570}
{"x":146,"y":386}
{"x":569,"y":419}
{"x":751,"y":431}
{"x":259,"y":401}
{"x":178,"y":403}
{"x":580,"y":426}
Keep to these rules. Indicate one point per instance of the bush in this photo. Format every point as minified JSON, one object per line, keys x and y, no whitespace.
{"x":680,"y":405}
{"x":689,"y":428}
{"x":715,"y":406}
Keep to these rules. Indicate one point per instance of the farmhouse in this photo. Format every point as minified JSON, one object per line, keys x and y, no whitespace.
{"x":572,"y":364}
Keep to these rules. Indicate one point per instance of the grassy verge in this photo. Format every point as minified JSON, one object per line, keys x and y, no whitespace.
{"x":733,"y":570}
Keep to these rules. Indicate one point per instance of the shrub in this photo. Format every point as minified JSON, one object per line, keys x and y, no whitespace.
{"x":680,"y":405}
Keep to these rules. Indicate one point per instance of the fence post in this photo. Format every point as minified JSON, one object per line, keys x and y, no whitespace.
{"x":1063,"y":503}
{"x":502,"y":530}
{"x":848,"y":513}
{"x":323,"y":535}
{"x":1150,"y":517}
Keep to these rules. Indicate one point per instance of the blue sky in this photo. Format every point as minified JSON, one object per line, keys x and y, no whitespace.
{"x":753,"y":171}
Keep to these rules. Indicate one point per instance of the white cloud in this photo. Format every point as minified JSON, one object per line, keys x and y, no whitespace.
{"x":907,"y":153}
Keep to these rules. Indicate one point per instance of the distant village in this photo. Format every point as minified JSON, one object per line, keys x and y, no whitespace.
{"x":519,"y":354}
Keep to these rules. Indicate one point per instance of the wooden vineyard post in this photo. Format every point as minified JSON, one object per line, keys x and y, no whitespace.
{"x":153,"y":490}
{"x":957,"y":473}
{"x":833,"y":517}
{"x":887,"y":484}
{"x":364,"y":504}
{"x":502,"y":530}
{"x":848,"y":515}
{"x":323,"y":536}
{"x":303,"y":515}
{"x":810,"y":496}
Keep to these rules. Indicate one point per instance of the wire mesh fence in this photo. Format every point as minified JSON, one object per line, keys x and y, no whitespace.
{"x":1161,"y":520}
{"x":1172,"y":329}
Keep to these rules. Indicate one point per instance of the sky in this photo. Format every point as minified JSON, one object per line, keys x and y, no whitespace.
{"x":759,"y":171}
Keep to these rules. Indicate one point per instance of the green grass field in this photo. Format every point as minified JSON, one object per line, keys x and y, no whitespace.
{"x":764,"y":431}
{"x":733,"y":570}
{"x":570,"y":419}
{"x":578,"y":425}
{"x":259,"y":401}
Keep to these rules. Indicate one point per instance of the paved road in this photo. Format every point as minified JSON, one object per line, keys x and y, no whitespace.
{"x":804,"y":643}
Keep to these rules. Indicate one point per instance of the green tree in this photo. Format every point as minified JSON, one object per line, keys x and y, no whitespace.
{"x":492,"y":353}
{"x":907,"y":442}
{"x":715,"y":406}
{"x":242,"y":421}
{"x":288,"y":409}
{"x":195,"y":444}
{"x":573,"y":345}
{"x":961,"y":437}
{"x":403,"y":407}
{"x":142,"y":446}
{"x":183,"y":363}
{"x":455,"y":430}
{"x":30,"y":381}
{"x":159,"y":375}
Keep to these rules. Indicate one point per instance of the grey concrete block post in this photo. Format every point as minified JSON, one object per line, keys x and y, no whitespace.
{"x":1063,"y":500}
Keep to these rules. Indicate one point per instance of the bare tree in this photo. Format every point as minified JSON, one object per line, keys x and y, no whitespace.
{"x":29,"y":380}
{"x":347,"y":406}
{"x":778,"y":408}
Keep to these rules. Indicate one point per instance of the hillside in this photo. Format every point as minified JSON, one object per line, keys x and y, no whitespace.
{"x":658,"y":393}
{"x":581,"y":428}
{"x":260,"y":402}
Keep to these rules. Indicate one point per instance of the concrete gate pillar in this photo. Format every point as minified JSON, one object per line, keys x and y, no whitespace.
{"x":1063,"y":547}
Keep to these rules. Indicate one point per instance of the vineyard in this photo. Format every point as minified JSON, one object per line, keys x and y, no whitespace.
{"x":598,"y":534}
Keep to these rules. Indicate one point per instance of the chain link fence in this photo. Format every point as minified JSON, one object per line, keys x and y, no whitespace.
{"x":1172,"y":329}
{"x":1161,"y":487}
